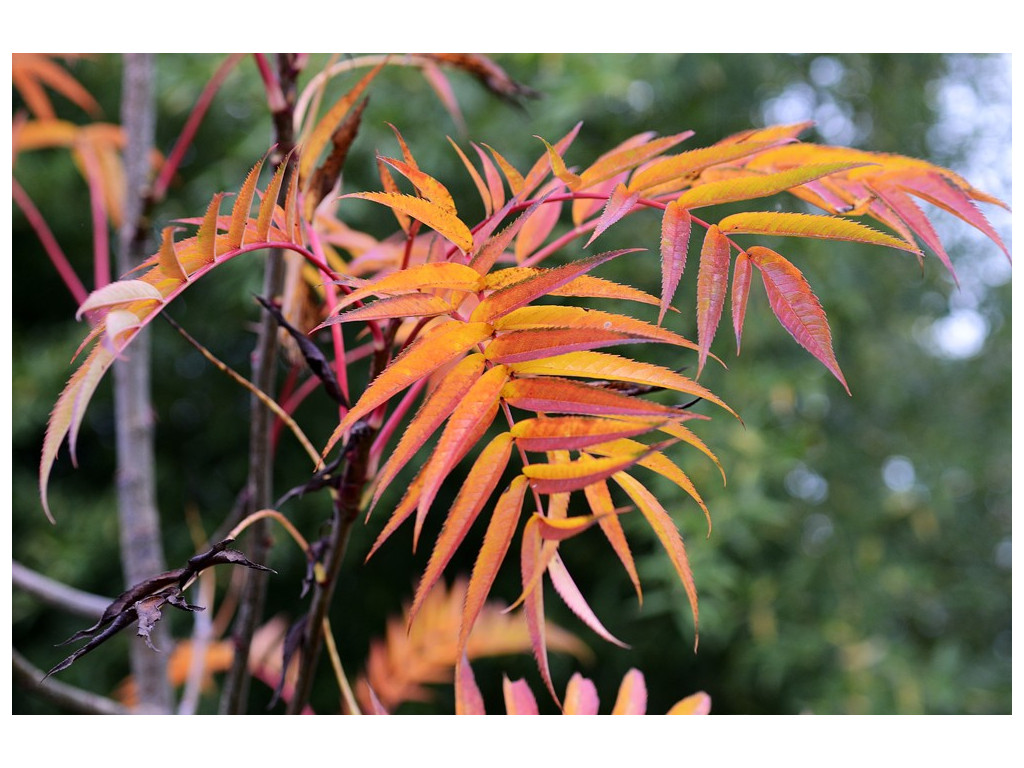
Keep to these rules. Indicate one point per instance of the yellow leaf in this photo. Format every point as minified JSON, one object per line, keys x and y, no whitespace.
{"x":442,"y":221}
{"x":808,"y":225}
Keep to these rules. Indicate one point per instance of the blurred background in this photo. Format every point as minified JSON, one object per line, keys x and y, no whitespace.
{"x":860,"y":560}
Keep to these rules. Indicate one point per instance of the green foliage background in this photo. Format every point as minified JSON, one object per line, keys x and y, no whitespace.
{"x":859,"y":561}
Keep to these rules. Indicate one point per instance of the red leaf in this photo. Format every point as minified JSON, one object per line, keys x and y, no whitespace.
{"x":740,"y":292}
{"x":712,"y":279}
{"x":796,"y":307}
{"x":675,"y":239}
{"x":620,"y":203}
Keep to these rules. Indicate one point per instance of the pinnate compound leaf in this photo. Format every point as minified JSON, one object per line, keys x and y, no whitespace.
{"x":808,"y":225}
{"x":423,"y":357}
{"x":796,"y":307}
{"x":675,"y":239}
{"x":437,"y":217}
{"x":712,"y":281}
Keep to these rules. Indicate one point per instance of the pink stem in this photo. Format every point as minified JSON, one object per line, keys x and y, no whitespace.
{"x":170,"y":166}
{"x":53,"y":250}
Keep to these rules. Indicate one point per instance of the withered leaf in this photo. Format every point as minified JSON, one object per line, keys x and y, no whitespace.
{"x":316,"y":360}
{"x":143,"y":602}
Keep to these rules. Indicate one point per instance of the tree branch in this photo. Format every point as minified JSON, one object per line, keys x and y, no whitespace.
{"x":141,"y":545}
{"x":261,"y":456}
{"x":67,"y":697}
{"x":57,"y":593}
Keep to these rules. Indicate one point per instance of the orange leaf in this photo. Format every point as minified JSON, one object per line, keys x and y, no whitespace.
{"x":564,"y":477}
{"x":558,"y":168}
{"x":696,"y":704}
{"x":168,"y":259}
{"x":667,"y":534}
{"x":426,"y":355}
{"x":468,"y":699}
{"x":206,"y":237}
{"x":269,"y":202}
{"x":553,"y":395}
{"x":552,"y":433}
{"x":427,"y":186}
{"x":543,"y":282}
{"x":394,"y":307}
{"x":495,"y":544}
{"x":435,"y":409}
{"x":796,"y":307}
{"x":472,"y":416}
{"x":600,"y":501}
{"x":535,"y":231}
{"x":477,"y":487}
{"x":585,"y":286}
{"x":445,"y":275}
{"x":327,"y":124}
{"x":240,"y":210}
{"x":572,"y":597}
{"x":601,"y":365}
{"x":549,"y":317}
{"x":712,"y":280}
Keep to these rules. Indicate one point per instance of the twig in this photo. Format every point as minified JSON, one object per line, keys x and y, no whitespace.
{"x":57,"y":593}
{"x":65,"y":696}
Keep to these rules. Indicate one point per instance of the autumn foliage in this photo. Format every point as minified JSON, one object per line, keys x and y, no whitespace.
{"x":482,"y":353}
